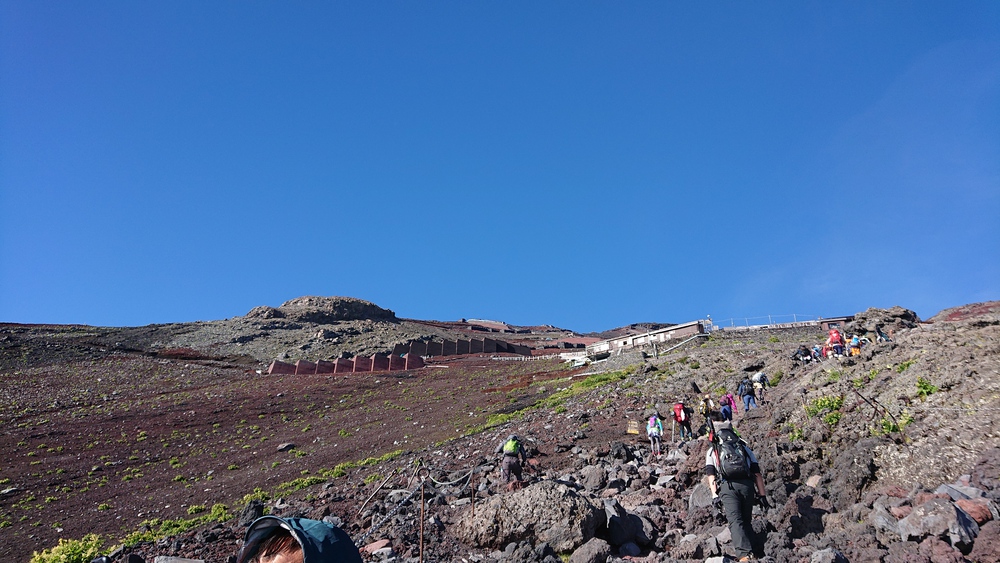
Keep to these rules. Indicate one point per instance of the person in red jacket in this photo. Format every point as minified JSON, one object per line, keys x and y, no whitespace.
{"x":683,"y":417}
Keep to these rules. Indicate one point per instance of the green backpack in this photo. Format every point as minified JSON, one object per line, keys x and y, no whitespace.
{"x":510,"y":447}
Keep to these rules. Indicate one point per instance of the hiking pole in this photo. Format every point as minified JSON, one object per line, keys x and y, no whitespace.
{"x":673,"y":423}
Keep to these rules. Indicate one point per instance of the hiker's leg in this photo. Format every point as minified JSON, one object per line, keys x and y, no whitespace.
{"x":515,"y":469}
{"x":739,"y":521}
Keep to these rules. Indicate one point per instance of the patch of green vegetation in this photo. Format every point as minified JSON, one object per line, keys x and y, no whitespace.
{"x":776,"y":377}
{"x":343,"y":433}
{"x":694,"y":364}
{"x":774,"y":340}
{"x":834,"y":375}
{"x":372,"y":478}
{"x":257,"y":494}
{"x":104,"y":506}
{"x":795,"y":433}
{"x":888,"y":426}
{"x":156,"y":528}
{"x":300,"y":483}
{"x":196,"y":509}
{"x":925,"y":388}
{"x":832,"y":418}
{"x":905,"y":366}
{"x":829,"y":405}
{"x":71,"y":551}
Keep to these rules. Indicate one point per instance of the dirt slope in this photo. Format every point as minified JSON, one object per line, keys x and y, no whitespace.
{"x":106,"y":437}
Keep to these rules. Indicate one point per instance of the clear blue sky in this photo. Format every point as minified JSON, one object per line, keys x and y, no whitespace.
{"x":583,"y":164}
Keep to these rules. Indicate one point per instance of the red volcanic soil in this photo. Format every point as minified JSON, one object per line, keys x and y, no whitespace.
{"x":102,"y":445}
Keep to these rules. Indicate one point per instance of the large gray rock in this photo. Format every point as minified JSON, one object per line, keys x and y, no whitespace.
{"x":543,"y":512}
{"x":701,"y":496}
{"x":595,"y":550}
{"x":939,"y":518}
{"x":593,"y":477}
{"x":621,"y":527}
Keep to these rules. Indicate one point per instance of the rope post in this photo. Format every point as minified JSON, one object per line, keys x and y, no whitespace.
{"x":424,"y":472}
{"x":472,"y":489}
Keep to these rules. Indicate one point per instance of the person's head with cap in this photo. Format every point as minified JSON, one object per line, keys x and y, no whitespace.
{"x":296,"y":540}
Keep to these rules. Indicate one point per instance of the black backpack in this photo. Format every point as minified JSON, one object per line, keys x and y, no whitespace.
{"x":744,"y":388}
{"x":734,"y":462}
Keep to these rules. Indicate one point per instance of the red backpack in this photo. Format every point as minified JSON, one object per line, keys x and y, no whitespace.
{"x":679,"y":414}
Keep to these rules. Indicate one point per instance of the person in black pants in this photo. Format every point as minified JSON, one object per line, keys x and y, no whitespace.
{"x":735,"y":485}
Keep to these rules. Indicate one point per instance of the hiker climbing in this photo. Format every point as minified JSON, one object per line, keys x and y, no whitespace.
{"x":745,"y":392}
{"x":654,"y":429}
{"x":736,"y":483}
{"x":296,"y":540}
{"x":760,"y":385}
{"x":513,"y":456}
{"x":726,"y":406}
{"x":706,"y":406}
{"x":682,"y":415}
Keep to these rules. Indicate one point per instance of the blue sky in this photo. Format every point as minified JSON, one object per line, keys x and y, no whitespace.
{"x":582,"y":164}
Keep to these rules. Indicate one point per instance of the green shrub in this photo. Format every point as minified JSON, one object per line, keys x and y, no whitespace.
{"x":776,"y":378}
{"x":824,"y":404}
{"x":905,"y":366}
{"x":71,"y":551}
{"x":257,"y":494}
{"x":196,"y":509}
{"x":774,"y":340}
{"x":925,"y":388}
{"x":694,"y":364}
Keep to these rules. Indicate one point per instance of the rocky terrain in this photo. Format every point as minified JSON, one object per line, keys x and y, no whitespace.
{"x":168,"y":439}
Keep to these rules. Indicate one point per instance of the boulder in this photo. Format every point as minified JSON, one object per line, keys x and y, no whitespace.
{"x":828,"y":555}
{"x":546,"y":511}
{"x":977,"y":508}
{"x":621,"y":528}
{"x":593,"y":477}
{"x":595,"y":550}
{"x":987,"y":547}
{"x":942,"y":519}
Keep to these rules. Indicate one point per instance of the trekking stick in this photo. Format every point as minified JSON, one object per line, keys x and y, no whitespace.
{"x":673,"y":423}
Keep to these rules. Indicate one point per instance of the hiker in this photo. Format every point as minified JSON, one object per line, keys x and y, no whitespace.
{"x":817,"y":353}
{"x":802,"y":354}
{"x":745,"y":392}
{"x":296,"y":540}
{"x":683,"y":417}
{"x":835,"y":340}
{"x":726,"y":404}
{"x":654,"y":429}
{"x":706,"y":406}
{"x":736,"y":483}
{"x":760,"y":384}
{"x":733,"y":402}
{"x":855,"y":346}
{"x":513,"y":456}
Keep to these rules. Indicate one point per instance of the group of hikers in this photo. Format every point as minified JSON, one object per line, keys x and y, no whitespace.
{"x":835,"y":346}
{"x":731,"y":468}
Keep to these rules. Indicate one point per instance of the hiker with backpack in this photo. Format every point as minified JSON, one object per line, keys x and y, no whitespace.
{"x":736,"y":483}
{"x":745,"y":391}
{"x":682,"y":415}
{"x":513,"y":455}
{"x":270,"y":539}
{"x":706,"y":406}
{"x":835,"y":341}
{"x":654,"y":429}
{"x":727,"y":403}
{"x":760,"y":385}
